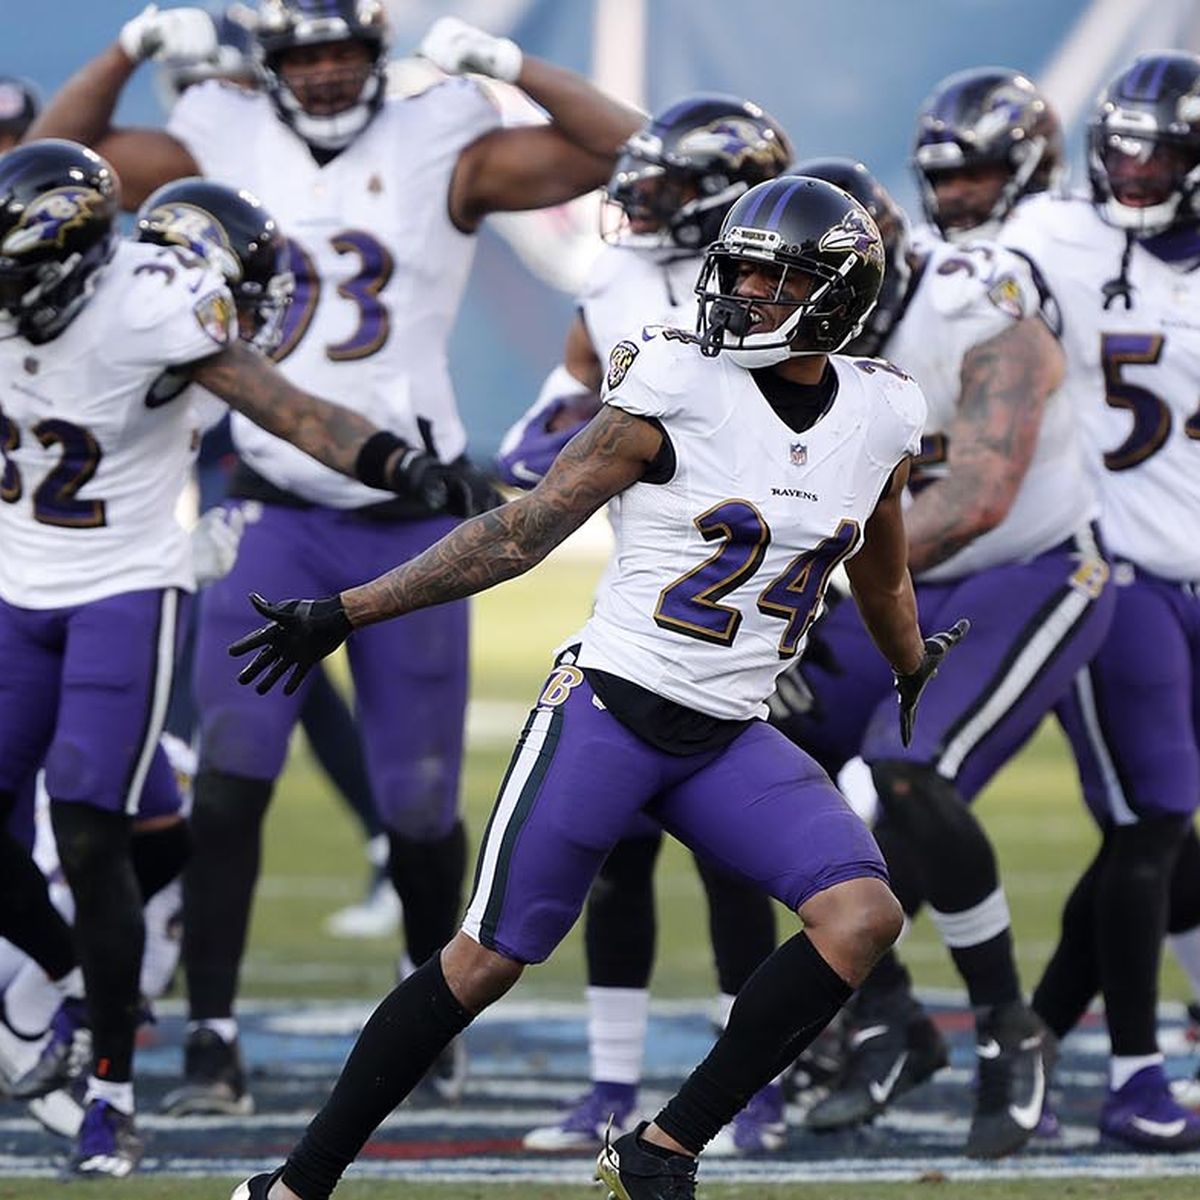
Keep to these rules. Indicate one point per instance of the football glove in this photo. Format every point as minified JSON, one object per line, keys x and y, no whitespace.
{"x":457,"y":47}
{"x":909,"y":687}
{"x":421,"y":476}
{"x":181,"y":35}
{"x":215,"y":539}
{"x":301,"y":633}
{"x":469,"y":491}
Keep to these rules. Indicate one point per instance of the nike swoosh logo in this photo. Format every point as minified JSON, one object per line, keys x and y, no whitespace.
{"x":522,"y":472}
{"x":881,"y":1091}
{"x":1028,"y":1115}
{"x":865,"y":1035}
{"x":1162,"y":1129}
{"x":988,"y":1049}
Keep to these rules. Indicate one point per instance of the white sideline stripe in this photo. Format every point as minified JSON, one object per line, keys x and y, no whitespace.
{"x":1118,"y":805}
{"x":1028,"y":663}
{"x":973,"y":926}
{"x":163,"y":670}
{"x":527,"y":759}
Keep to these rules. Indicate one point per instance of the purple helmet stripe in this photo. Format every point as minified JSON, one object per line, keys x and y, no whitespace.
{"x":792,"y":186}
{"x":752,"y":212}
{"x":318,"y":8}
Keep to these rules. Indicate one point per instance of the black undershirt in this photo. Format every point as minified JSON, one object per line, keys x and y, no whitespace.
{"x":675,"y":728}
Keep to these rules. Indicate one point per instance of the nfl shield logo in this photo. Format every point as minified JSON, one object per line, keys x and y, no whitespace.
{"x":798,"y":453}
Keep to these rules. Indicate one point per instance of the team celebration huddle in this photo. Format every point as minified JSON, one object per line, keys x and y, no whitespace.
{"x":885,"y":491}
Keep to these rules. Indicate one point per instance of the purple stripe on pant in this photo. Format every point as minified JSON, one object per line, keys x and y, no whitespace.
{"x":410,"y":675}
{"x":760,"y":808}
{"x":1133,"y":716}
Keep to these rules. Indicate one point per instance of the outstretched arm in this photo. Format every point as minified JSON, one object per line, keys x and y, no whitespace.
{"x":1005,"y":384}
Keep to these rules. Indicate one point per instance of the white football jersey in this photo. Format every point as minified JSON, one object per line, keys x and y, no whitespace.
{"x":1133,"y":379}
{"x":717,"y":574}
{"x":628,"y":288}
{"x":92,"y":464}
{"x":380,"y":268}
{"x":966,"y":295}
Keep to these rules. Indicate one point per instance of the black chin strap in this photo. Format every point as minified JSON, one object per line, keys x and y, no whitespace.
{"x":1121,"y":288}
{"x":724,"y":315}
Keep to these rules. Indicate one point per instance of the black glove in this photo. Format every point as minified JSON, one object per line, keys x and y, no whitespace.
{"x":909,"y":687}
{"x":301,"y":633}
{"x":422,"y":477}
{"x":469,"y":491}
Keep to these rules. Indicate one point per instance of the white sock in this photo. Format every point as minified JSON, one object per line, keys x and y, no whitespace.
{"x":1186,"y":947}
{"x":70,"y":986}
{"x":32,"y":1000}
{"x":119,"y":1095}
{"x":226,"y":1028}
{"x":164,"y":939}
{"x":378,"y":850}
{"x":617,"y":1022}
{"x":1122,"y":1068}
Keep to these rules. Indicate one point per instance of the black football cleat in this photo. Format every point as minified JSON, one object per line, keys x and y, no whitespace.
{"x":1015,"y":1055}
{"x":257,"y":1186}
{"x":631,"y":1172}
{"x":214,"y":1080}
{"x":889,"y":1046}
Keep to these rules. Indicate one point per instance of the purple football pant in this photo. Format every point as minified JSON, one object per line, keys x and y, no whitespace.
{"x":1033,"y":626}
{"x":761,"y":809}
{"x":410,"y":675}
{"x":1133,"y":714}
{"x":84,"y":691}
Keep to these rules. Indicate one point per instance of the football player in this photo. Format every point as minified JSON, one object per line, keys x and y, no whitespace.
{"x":19,"y":104}
{"x":986,"y":137}
{"x":95,"y":575}
{"x":1122,"y":265}
{"x":656,"y":706}
{"x":381,"y":197}
{"x":999,"y":527}
{"x":672,"y":186}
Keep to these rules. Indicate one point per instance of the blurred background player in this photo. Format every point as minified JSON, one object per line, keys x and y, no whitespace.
{"x":999,"y":529}
{"x":674,"y":182}
{"x":380,"y":197}
{"x":19,"y":104}
{"x":1122,"y":266}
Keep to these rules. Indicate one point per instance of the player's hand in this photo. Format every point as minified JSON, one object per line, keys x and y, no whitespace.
{"x":457,"y":47}
{"x":469,"y":491}
{"x":421,"y":476}
{"x":301,"y":633}
{"x":909,"y":687}
{"x":183,"y":35}
{"x":215,"y":540}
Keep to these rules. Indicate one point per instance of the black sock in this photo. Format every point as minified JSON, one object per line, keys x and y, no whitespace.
{"x":218,"y":886}
{"x":927,"y":812}
{"x":741,"y":924}
{"x":93,"y":847}
{"x":28,"y":919}
{"x":1185,"y":885}
{"x":333,"y":735}
{"x":159,"y":855}
{"x":619,"y":922}
{"x":405,"y":1034}
{"x":1072,"y":976}
{"x":784,"y":1005}
{"x":1130,"y":921}
{"x":428,"y":878}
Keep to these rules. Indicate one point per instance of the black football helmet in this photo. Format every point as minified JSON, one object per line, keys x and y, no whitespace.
{"x":235,"y":59}
{"x":986,"y":116}
{"x":19,"y":106}
{"x":889,"y":218}
{"x":285,"y":25}
{"x":58,"y":201}
{"x":677,"y":177}
{"x":1144,"y":144}
{"x":801,"y":225}
{"x":234,"y":233}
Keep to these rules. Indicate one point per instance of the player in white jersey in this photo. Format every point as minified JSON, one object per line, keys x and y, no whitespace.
{"x":672,"y":186}
{"x":381,"y":196}
{"x":999,"y":525}
{"x":1122,"y":267}
{"x":96,"y":572}
{"x":742,"y":466}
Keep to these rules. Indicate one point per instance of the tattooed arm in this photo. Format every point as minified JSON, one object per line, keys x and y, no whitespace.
{"x":248,"y":383}
{"x":607,"y":456}
{"x":1005,"y":383}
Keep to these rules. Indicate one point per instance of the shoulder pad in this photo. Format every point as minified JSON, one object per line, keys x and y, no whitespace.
{"x":980,"y":276}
